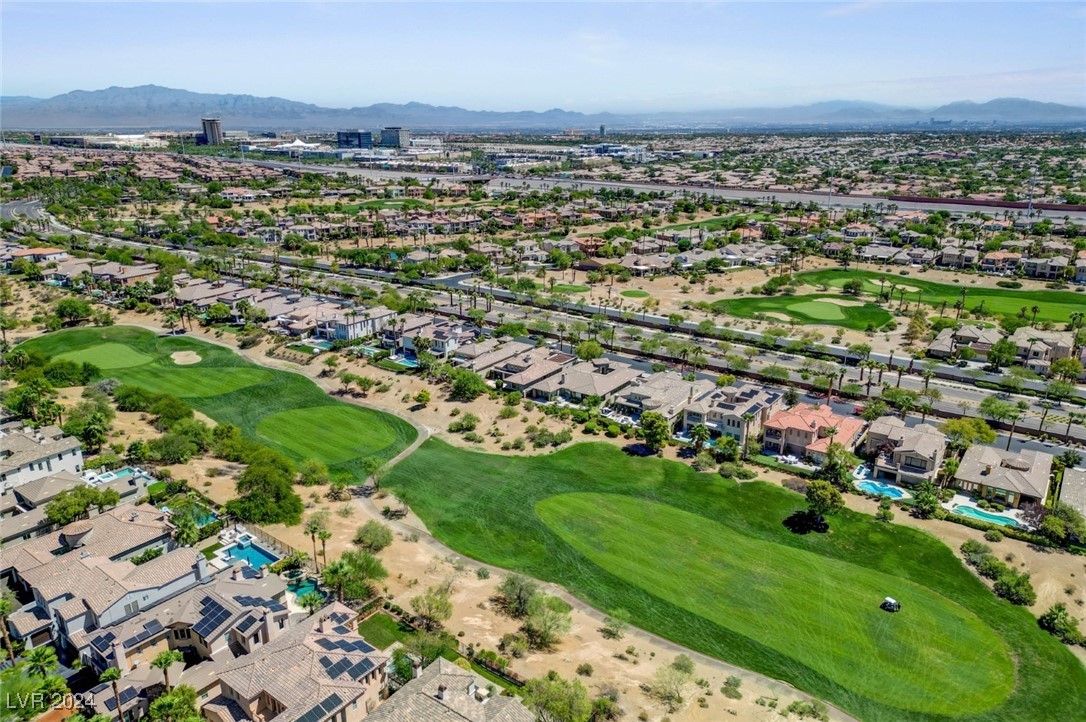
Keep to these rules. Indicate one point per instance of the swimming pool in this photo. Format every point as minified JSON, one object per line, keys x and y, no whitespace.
{"x":118,"y":474}
{"x":201,"y":515}
{"x":982,"y":515}
{"x":861,"y":472}
{"x":878,"y":487}
{"x":256,"y":555}
{"x":302,"y":587}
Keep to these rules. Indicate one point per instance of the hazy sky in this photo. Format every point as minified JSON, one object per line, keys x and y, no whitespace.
{"x":617,"y":56}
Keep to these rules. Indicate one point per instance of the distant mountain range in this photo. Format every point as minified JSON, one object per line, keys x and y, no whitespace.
{"x":152,"y":106}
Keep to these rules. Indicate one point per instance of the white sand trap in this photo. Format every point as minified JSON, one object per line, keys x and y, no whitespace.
{"x":185,"y":358}
{"x":842,"y":302}
{"x":776,"y":315}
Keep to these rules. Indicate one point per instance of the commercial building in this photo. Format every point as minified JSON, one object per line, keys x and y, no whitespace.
{"x":395,"y":137}
{"x":354,"y":139}
{"x":212,"y":131}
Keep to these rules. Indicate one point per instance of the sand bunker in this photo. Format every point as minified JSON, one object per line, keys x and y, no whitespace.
{"x":842,"y":301}
{"x":185,"y":358}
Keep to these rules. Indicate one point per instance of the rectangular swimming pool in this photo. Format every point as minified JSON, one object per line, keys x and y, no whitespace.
{"x":256,"y":555}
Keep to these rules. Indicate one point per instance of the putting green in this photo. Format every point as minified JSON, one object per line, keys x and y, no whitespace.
{"x":108,"y":356}
{"x":819,"y":309}
{"x":635,"y":293}
{"x":570,"y":288}
{"x":823,"y":611}
{"x":333,"y":434}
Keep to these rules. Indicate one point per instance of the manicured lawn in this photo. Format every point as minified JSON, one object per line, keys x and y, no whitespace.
{"x":715,"y":224}
{"x":332,"y":433}
{"x":382,"y":631}
{"x":709,"y":564}
{"x":570,"y":288}
{"x":808,"y":309}
{"x":108,"y":356}
{"x":635,"y":293}
{"x":1054,"y":305}
{"x":284,"y":410}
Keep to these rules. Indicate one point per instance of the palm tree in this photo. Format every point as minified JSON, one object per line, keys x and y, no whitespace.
{"x":40,"y":661}
{"x":164,"y":660}
{"x":312,"y":529}
{"x":748,"y":417}
{"x":324,"y":535}
{"x":335,"y":575}
{"x":112,"y":675}
{"x":311,"y":602}
{"x":699,"y":434}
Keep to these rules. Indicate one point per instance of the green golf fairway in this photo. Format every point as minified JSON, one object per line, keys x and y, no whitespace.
{"x":845,"y":634}
{"x":710,"y":564}
{"x":808,"y":309}
{"x":1052,"y":305}
{"x":284,"y":410}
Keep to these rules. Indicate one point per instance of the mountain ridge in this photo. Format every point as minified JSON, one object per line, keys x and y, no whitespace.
{"x":154,"y":106}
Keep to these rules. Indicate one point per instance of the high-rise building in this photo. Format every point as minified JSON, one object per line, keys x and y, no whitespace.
{"x":603,"y":130}
{"x":395,"y":137}
{"x":354,"y":139}
{"x":212,"y":131}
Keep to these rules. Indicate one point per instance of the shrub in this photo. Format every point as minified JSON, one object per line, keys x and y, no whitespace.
{"x":1060,"y":624}
{"x":1008,"y":284}
{"x":991,"y":568}
{"x":467,"y":423}
{"x":508,"y":412}
{"x":1016,"y":588}
{"x":482,"y":573}
{"x":373,"y":536}
{"x":613,"y":430}
{"x":585,"y":669}
{"x":814,"y":709}
{"x":993,"y":535}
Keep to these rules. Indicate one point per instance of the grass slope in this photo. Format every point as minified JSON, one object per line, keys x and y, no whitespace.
{"x":283,"y":410}
{"x":808,"y":309}
{"x":1054,"y":306}
{"x":708,"y":563}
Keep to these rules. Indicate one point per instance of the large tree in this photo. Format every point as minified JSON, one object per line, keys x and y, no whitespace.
{"x":554,"y":699}
{"x":656,"y":430}
{"x":823,"y":499}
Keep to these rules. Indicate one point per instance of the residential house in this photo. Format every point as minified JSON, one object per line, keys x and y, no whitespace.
{"x":904,"y":455}
{"x":482,"y":356}
{"x":1073,"y":489}
{"x":737,"y":411}
{"x":320,"y":670}
{"x":1047,"y":268}
{"x":523,"y":371}
{"x":349,"y":324}
{"x":27,"y":454}
{"x":959,"y":257}
{"x":1000,"y":261}
{"x":808,"y":430}
{"x":234,"y":612}
{"x":1038,"y":348}
{"x":1010,"y":478}
{"x":39,"y":255}
{"x":23,"y":507}
{"x":950,"y":341}
{"x":444,"y":691}
{"x":1080,"y":270}
{"x":667,"y":393}
{"x":96,"y":552}
{"x":601,"y":378}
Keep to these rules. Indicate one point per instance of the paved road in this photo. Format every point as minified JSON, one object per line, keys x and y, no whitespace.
{"x":959,"y":396}
{"x":547,"y":182}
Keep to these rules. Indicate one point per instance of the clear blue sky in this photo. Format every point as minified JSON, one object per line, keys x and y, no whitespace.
{"x":580,"y":56}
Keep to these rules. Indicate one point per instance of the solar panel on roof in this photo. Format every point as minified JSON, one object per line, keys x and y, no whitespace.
{"x":341,"y":630}
{"x":362,"y":646}
{"x":143,"y":635}
{"x":326,"y":644}
{"x":154,"y":626}
{"x":246,"y":623}
{"x":127,"y":695}
{"x":360,"y":669}
{"x":331,"y":703}
{"x":131,"y":642}
{"x":102,"y":641}
{"x":340,"y":617}
{"x":276,"y":607}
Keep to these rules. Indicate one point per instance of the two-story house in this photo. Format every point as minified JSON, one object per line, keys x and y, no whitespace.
{"x":905,"y":455}
{"x":736,"y":411}
{"x":808,"y":430}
